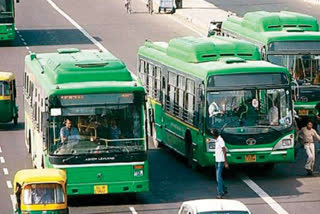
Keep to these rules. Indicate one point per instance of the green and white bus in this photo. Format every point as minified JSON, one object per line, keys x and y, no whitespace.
{"x":287,"y":39}
{"x":7,"y":20}
{"x":105,"y":150}
{"x":195,"y":85}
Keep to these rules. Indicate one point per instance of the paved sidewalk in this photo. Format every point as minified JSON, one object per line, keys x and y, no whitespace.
{"x":199,"y":13}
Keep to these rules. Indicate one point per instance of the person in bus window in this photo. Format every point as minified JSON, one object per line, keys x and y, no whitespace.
{"x":114,"y":130}
{"x":69,"y":133}
{"x":273,"y":113}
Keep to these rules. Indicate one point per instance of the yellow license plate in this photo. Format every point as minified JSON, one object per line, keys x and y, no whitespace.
{"x":303,"y":112}
{"x":101,"y":189}
{"x":250,"y":158}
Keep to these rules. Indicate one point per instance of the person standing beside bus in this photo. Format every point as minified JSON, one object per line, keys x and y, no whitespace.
{"x":221,"y":162}
{"x":307,"y":134}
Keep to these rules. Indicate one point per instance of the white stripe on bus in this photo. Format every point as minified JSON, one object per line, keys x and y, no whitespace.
{"x":94,"y":165}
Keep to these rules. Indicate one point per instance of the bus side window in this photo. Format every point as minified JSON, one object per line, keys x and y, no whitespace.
{"x":180,"y":94}
{"x":157,"y":83}
{"x":142,"y":72}
{"x":172,"y":92}
{"x":190,"y":100}
{"x":151,"y":80}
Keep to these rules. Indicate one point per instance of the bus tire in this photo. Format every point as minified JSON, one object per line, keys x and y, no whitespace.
{"x":15,"y":120}
{"x":29,"y":142}
{"x":154,"y":137}
{"x":189,"y":151}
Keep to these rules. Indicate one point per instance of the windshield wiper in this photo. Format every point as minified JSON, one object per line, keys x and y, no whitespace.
{"x":69,"y":158}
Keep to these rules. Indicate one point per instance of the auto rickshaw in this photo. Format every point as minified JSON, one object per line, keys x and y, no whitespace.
{"x":40,"y":191}
{"x":8,"y":94}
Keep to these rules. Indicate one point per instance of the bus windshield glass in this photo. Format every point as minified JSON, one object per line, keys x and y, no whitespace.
{"x":6,"y":7}
{"x":267,"y":108}
{"x":303,"y":68}
{"x":97,"y":130}
{"x":4,"y":89}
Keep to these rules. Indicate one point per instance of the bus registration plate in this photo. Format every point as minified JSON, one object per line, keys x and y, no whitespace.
{"x":250,"y":158}
{"x":303,"y":112}
{"x":101,"y":189}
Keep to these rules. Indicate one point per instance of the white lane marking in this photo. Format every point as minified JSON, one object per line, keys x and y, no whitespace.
{"x":9,"y":184}
{"x":2,"y":160}
{"x":13,"y":199}
{"x":186,"y":25}
{"x":133,"y":210}
{"x":270,"y":201}
{"x":27,"y":47}
{"x":5,"y":171}
{"x":81,"y":29}
{"x":0,"y":150}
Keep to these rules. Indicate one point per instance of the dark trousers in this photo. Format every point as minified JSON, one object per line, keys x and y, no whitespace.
{"x":221,"y":188}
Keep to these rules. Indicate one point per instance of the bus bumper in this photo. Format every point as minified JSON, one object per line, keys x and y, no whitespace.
{"x":113,"y":187}
{"x":7,"y":33}
{"x":273,"y":156}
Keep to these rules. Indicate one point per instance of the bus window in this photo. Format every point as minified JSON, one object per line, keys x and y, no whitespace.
{"x":107,"y":129}
{"x":172,"y":90}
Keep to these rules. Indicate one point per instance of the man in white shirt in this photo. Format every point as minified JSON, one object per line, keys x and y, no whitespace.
{"x":221,"y":162}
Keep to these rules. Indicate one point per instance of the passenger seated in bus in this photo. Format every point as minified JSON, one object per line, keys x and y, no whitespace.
{"x":249,"y":117}
{"x":114,"y":130}
{"x":69,"y":133}
{"x":273,"y":113}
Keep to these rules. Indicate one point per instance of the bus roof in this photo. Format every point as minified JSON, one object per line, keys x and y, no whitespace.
{"x":72,"y":71}
{"x":265,"y":27}
{"x":202,"y":57}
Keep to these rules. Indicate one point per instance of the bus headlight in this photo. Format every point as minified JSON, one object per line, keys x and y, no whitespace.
{"x":138,"y":170}
{"x":285,"y":143}
{"x":211,"y":144}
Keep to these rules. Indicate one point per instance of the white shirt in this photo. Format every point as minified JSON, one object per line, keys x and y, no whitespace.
{"x":218,"y":152}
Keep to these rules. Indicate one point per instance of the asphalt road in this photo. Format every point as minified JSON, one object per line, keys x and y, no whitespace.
{"x":43,"y":29}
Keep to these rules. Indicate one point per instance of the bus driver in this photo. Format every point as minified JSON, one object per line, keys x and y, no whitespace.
{"x":69,"y":133}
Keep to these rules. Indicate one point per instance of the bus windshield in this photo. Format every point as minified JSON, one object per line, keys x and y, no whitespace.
{"x":4,"y":89}
{"x":249,"y":108}
{"x":303,"y":68}
{"x":97,"y":130}
{"x":6,"y":7}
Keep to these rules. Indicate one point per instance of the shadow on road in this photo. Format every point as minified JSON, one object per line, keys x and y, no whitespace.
{"x":11,"y":126}
{"x":173,"y":182}
{"x":42,"y":37}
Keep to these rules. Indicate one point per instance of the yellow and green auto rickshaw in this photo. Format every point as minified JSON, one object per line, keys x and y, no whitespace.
{"x":8,"y":94}
{"x":40,"y":191}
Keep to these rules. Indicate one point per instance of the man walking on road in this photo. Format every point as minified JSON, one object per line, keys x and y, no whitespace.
{"x":307,"y":134}
{"x":221,"y":162}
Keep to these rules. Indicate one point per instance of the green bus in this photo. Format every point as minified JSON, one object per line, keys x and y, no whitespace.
{"x":85,"y":113}
{"x":287,"y":39}
{"x":7,"y":20}
{"x":195,"y":85}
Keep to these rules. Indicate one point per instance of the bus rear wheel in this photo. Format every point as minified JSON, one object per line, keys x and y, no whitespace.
{"x":189,"y":152}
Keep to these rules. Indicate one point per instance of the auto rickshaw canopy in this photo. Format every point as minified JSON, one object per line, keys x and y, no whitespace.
{"x":29,"y":176}
{"x":6,"y":76}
